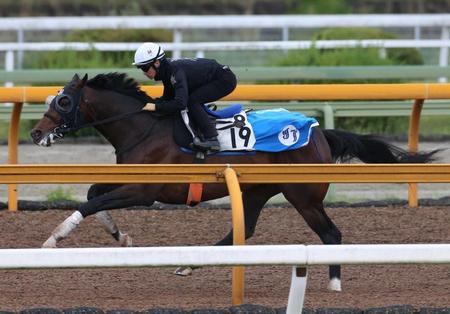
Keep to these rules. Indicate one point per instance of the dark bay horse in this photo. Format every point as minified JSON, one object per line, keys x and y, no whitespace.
{"x":112,"y":103}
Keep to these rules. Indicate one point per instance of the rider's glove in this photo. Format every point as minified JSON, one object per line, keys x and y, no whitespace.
{"x":149,"y":107}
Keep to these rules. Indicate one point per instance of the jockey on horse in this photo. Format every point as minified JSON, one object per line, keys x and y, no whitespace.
{"x":188,"y":83}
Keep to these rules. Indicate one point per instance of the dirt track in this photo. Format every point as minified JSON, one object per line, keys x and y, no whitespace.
{"x":140,"y":289}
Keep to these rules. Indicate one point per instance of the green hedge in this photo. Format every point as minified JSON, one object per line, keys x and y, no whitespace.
{"x":94,"y":58}
{"x":356,"y":56}
{"x":350,"y":56}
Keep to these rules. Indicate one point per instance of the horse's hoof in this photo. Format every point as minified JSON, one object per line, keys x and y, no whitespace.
{"x":183,"y":271}
{"x":50,"y":243}
{"x":125,"y":240}
{"x":335,"y":285}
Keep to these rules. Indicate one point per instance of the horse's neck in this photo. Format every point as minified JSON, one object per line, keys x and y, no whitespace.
{"x":129,"y":130}
{"x":154,"y":145}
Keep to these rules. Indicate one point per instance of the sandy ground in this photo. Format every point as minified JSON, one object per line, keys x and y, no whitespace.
{"x":210,"y":287}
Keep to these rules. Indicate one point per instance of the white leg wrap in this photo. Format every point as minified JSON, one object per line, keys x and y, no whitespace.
{"x":183,"y":271}
{"x":107,"y":221}
{"x":50,"y":243}
{"x":63,"y":230}
{"x":125,"y":240}
{"x":334,"y":284}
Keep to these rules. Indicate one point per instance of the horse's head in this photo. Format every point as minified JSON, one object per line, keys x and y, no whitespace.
{"x":63,"y":114}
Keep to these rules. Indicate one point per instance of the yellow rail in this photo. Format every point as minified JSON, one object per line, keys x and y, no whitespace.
{"x":414,"y":91}
{"x":275,"y":92}
{"x":237,"y":214}
{"x":210,"y":173}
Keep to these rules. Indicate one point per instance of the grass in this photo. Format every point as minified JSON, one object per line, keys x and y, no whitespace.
{"x":60,"y":194}
{"x":434,"y":125}
{"x":24,"y":130}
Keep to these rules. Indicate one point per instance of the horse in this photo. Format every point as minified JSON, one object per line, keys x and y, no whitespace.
{"x":113,"y":104}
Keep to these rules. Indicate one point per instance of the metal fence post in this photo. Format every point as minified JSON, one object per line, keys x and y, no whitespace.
{"x":297,"y":290}
{"x":443,"y":55}
{"x":177,"y":39}
{"x":9,"y":64}
{"x":13,"y":142}
{"x":413,"y":144}
{"x":237,"y":208}
{"x":20,"y":40}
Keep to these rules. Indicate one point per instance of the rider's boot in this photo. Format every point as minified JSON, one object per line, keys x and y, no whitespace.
{"x":211,"y":143}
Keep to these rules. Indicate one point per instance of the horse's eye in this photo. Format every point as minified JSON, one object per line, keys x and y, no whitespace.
{"x":64,"y":104}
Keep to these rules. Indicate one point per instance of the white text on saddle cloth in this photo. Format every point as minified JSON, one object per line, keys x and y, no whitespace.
{"x":235,"y":133}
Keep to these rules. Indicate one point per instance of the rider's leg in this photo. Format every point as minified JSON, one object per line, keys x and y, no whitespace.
{"x":224,"y":84}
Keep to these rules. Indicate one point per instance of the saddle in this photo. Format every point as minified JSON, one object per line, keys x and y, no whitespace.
{"x":226,"y":121}
{"x":245,"y":131}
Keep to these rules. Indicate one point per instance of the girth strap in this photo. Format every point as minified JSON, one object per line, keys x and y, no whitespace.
{"x":196,"y":189}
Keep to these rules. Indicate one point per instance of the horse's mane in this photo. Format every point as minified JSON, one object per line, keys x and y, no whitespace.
{"x":120,"y":83}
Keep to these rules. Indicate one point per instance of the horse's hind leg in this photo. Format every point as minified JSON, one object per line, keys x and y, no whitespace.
{"x":105,"y":218}
{"x":308,"y":200}
{"x":253,"y":201}
{"x":111,"y":228}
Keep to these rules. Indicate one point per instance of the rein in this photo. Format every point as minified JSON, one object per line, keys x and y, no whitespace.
{"x":113,"y":119}
{"x":99,"y":122}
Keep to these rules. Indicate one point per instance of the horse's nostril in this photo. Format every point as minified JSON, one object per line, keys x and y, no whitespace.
{"x":36,"y":134}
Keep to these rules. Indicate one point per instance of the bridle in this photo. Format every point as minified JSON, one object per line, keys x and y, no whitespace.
{"x":68,"y":107}
{"x":72,"y":119}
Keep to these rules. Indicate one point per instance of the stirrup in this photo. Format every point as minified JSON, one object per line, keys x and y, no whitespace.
{"x":208,"y":145}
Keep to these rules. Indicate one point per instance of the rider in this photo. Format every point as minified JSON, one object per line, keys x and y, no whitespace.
{"x":188,"y":83}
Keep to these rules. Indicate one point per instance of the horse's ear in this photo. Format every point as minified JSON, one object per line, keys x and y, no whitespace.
{"x":84,"y":79}
{"x":79,"y":82}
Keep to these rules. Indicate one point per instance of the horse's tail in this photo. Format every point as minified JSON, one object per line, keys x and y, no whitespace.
{"x":346,"y":146}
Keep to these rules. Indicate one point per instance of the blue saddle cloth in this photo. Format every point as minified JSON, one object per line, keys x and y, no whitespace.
{"x":226,"y":112}
{"x":272,"y":130}
{"x":279,"y":129}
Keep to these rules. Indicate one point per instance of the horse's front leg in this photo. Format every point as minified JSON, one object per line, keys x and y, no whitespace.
{"x":63,"y":230}
{"x":124,"y":196}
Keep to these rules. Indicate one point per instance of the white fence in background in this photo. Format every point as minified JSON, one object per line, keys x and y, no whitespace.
{"x":201,"y":47}
{"x":226,"y":21}
{"x":298,"y":256}
{"x":285,"y":23}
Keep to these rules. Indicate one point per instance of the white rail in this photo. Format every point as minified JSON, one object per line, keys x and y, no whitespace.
{"x":183,"y":22}
{"x":225,"y":21}
{"x":201,"y":47}
{"x":230,"y":45}
{"x":290,"y":255}
{"x":298,"y":256}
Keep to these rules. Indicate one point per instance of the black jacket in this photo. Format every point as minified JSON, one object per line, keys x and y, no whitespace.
{"x":181,"y":77}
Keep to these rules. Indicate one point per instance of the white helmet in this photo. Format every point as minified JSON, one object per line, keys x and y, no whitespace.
{"x":147,"y":53}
